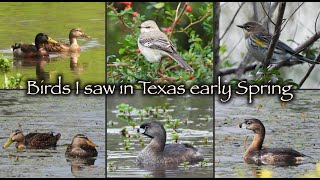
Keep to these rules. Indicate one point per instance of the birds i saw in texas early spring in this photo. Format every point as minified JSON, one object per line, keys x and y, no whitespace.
{"x":154,"y":45}
{"x":257,"y":42}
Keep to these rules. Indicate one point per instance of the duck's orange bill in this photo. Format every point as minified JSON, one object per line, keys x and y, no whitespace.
{"x":90,"y":143}
{"x":51,"y":40}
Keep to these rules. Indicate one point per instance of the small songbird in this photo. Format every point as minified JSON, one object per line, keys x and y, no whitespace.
{"x":154,"y":45}
{"x":258,"y":39}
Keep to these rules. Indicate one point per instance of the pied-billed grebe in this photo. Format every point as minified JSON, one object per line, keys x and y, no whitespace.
{"x":64,"y":47}
{"x":158,"y":153}
{"x":32,"y":140}
{"x":255,"y":154}
{"x":30,"y":50}
{"x":81,"y":147}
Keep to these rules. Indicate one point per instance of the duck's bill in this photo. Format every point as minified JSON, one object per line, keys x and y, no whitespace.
{"x":241,"y":125}
{"x":8,"y":143}
{"x":51,"y":40}
{"x":85,"y":36}
{"x":90,"y":143}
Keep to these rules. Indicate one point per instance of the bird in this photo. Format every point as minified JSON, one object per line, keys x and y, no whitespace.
{"x":256,"y":154}
{"x":21,"y":50}
{"x":32,"y":140}
{"x":154,"y":45}
{"x":158,"y":153}
{"x":258,"y":39}
{"x":65,"y":47}
{"x":81,"y":147}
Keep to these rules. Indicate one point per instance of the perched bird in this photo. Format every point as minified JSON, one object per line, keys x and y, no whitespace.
{"x":81,"y":147}
{"x":32,"y":140}
{"x":154,"y":45}
{"x":158,"y":153}
{"x":65,"y":47}
{"x":256,"y":154}
{"x":258,"y":39}
{"x":30,"y":50}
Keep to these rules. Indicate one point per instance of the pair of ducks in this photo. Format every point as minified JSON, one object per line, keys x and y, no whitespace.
{"x":80,"y":147}
{"x":44,"y":44}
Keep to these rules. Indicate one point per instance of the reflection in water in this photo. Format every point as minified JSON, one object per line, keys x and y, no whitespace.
{"x":78,"y":164}
{"x":41,"y":62}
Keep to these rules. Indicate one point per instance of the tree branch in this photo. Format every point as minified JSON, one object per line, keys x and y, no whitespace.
{"x":231,"y":22}
{"x":309,"y":72}
{"x":276,"y":34}
{"x":216,"y":44}
{"x":178,"y":17}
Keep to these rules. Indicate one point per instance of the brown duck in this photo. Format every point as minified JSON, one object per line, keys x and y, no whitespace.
{"x":65,"y":47}
{"x":32,"y":140}
{"x":29,"y":50}
{"x":81,"y":147}
{"x":255,"y":154}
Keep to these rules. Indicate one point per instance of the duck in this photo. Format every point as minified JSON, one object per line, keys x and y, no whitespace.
{"x":256,"y":154}
{"x":81,"y":147}
{"x":159,"y":154}
{"x":32,"y":140}
{"x":21,"y":50}
{"x":64,"y":47}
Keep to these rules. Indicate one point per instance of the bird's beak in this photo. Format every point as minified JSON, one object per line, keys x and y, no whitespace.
{"x":240,"y":26}
{"x":241,"y":126}
{"x":51,"y":40}
{"x":8,"y":143}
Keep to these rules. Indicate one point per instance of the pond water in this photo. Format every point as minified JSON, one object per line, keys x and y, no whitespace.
{"x":68,"y":115}
{"x":295,"y":125}
{"x":197,"y":111}
{"x":21,"y":21}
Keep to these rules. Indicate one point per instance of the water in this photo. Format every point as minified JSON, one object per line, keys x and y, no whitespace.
{"x":295,"y":126}
{"x":68,"y":115}
{"x":21,"y":21}
{"x":190,"y":108}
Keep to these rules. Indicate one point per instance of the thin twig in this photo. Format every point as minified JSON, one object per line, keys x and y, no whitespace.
{"x":276,"y":35}
{"x":231,"y":22}
{"x":121,"y":18}
{"x":255,"y":11}
{"x":292,"y":15}
{"x":271,"y":11}
{"x":267,"y":13}
{"x":196,"y":22}
{"x":216,"y":44}
{"x":178,"y":17}
{"x":315,"y":23}
{"x":309,"y":72}
{"x":117,"y":64}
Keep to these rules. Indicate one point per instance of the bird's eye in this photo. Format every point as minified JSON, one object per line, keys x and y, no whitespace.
{"x":146,"y":127}
{"x":148,"y":27}
{"x":248,"y":123}
{"x":247,"y":27}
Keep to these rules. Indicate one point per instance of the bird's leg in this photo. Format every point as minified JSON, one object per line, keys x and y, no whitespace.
{"x":158,"y":71}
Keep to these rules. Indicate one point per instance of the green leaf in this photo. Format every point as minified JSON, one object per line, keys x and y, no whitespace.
{"x":122,"y":50}
{"x":159,"y":5}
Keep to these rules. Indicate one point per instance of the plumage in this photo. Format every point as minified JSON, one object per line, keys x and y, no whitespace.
{"x":29,"y":50}
{"x":255,"y":154}
{"x":81,"y":147}
{"x":33,"y":140}
{"x":72,"y":46}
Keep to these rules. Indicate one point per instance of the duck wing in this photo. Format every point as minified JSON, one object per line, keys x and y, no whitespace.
{"x":25,"y":47}
{"x":55,"y":47}
{"x":41,"y":140}
{"x":283,"y":151}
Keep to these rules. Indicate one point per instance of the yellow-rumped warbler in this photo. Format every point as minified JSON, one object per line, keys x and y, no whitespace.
{"x":154,"y":45}
{"x":258,"y":39}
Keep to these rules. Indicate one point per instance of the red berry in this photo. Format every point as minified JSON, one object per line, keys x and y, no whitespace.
{"x":135,"y":14}
{"x":169,"y":29}
{"x":138,"y":51}
{"x":127,"y":7}
{"x":191,"y":77}
{"x":122,"y":2}
{"x":189,"y":9}
{"x":128,"y":3}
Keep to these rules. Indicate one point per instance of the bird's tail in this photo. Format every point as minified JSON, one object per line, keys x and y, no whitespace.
{"x":180,"y":61}
{"x":302,"y":58}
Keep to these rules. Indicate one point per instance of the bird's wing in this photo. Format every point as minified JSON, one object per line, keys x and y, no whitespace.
{"x":157,"y":42}
{"x":266,"y":38}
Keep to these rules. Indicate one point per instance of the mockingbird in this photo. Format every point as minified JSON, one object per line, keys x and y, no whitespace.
{"x":154,"y":45}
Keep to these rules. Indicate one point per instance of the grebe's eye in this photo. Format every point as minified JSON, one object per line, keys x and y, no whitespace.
{"x":248,"y":123}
